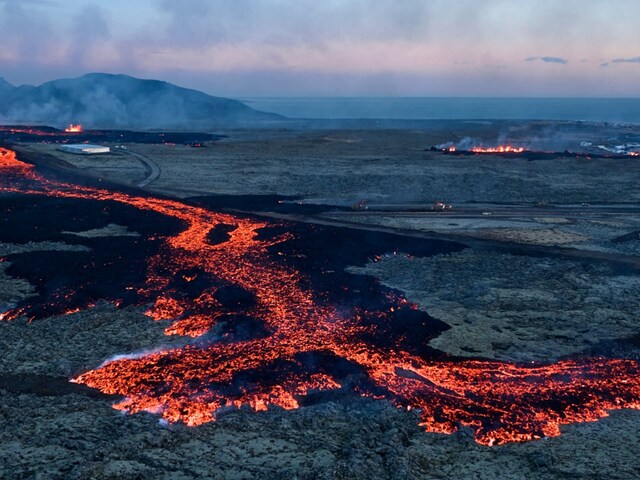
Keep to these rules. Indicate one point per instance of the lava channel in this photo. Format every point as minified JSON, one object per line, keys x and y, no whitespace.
{"x":500,"y":402}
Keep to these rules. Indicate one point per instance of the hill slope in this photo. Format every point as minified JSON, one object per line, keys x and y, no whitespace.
{"x":5,"y":87}
{"x":100,"y":100}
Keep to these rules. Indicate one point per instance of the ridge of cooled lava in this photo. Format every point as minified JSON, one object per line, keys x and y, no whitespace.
{"x":188,"y":278}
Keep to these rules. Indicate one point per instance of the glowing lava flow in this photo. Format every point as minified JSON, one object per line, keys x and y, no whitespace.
{"x":498,"y":149}
{"x":501,"y":402}
{"x":27,"y":130}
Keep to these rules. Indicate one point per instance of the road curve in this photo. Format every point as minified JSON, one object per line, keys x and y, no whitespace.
{"x":150,"y":166}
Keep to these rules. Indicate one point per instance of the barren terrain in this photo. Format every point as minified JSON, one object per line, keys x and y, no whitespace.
{"x":571,"y":202}
{"x":544,"y":278}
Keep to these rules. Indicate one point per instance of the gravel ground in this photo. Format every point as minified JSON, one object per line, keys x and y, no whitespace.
{"x":72,"y":436}
{"x":342,"y":167}
{"x":517,"y":308}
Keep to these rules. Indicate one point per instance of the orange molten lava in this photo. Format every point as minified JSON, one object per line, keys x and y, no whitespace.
{"x":498,"y":149}
{"x":10,"y":165}
{"x":74,"y":128}
{"x":501,"y":402}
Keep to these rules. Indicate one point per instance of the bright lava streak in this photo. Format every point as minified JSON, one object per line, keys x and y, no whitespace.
{"x":501,"y":402}
{"x":498,"y":149}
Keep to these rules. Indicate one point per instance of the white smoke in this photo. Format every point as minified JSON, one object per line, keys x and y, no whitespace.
{"x":134,"y":356}
{"x":467,"y":143}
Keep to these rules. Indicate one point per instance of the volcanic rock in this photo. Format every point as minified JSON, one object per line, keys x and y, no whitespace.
{"x":518,"y":308}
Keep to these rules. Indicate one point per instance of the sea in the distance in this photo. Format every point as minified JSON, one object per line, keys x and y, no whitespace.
{"x":619,"y":110}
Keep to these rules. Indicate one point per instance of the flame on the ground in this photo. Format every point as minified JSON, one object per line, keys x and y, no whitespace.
{"x":501,"y":402}
{"x":77,"y":128}
{"x":498,"y":149}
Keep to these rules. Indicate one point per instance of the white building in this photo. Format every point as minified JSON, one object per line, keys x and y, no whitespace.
{"x":84,"y":149}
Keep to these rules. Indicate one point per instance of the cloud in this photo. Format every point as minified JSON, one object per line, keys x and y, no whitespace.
{"x":621,"y":60}
{"x":206,"y":23}
{"x":496,"y":66}
{"x":387,"y":39}
{"x":626,"y":60}
{"x":89,"y":29}
{"x":25,"y":31}
{"x":45,"y":3}
{"x":559,"y":60}
{"x":33,"y":36}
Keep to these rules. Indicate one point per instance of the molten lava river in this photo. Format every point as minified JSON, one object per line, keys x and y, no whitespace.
{"x":500,"y":402}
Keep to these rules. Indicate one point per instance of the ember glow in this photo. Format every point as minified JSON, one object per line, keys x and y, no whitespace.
{"x":27,"y":130}
{"x":498,"y":149}
{"x":501,"y":402}
{"x":74,"y":128}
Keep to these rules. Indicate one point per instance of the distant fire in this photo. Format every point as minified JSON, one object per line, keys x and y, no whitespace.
{"x":620,"y":151}
{"x":510,"y":151}
{"x":26,"y":130}
{"x":74,"y":128}
{"x":500,"y":402}
{"x":498,"y":149}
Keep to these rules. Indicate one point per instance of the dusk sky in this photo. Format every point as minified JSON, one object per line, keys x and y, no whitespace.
{"x":333,"y":47}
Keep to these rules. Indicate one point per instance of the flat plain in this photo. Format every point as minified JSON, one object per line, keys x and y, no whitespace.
{"x":550,"y":270}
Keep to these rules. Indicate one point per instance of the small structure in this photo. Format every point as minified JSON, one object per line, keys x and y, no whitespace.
{"x":84,"y":149}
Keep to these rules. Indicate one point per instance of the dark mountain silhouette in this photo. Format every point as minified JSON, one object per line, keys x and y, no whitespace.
{"x":99,"y":100}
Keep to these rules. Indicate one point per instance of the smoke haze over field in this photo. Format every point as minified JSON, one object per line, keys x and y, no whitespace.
{"x":120,"y":101}
{"x":335,"y":47}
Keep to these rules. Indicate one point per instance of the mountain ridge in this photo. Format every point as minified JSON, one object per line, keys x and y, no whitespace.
{"x":104,"y":100}
{"x":5,"y":86}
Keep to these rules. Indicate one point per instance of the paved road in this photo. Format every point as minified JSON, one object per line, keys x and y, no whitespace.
{"x":476,"y":242}
{"x":499,"y":211}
